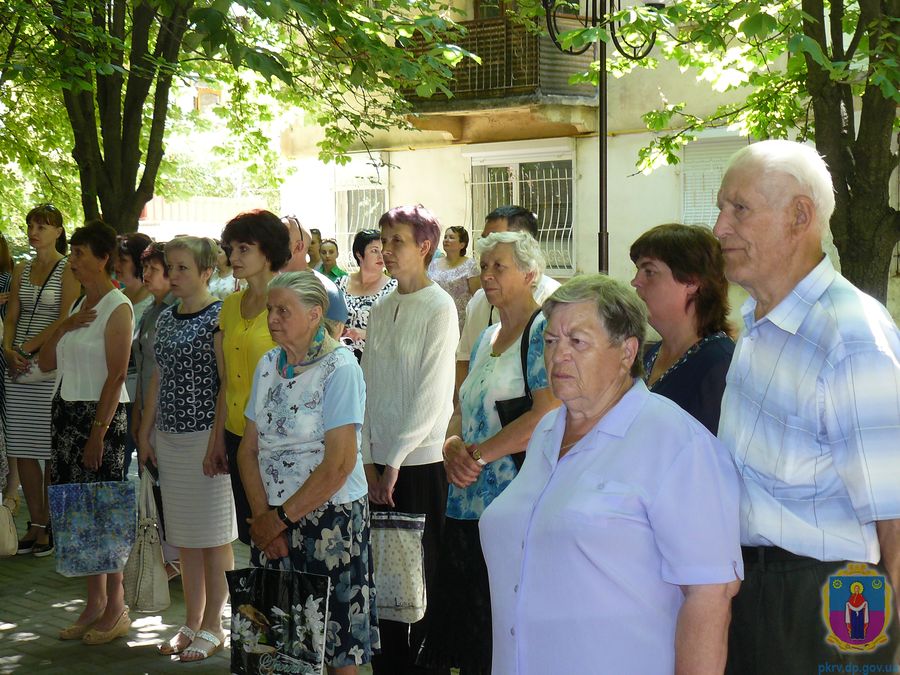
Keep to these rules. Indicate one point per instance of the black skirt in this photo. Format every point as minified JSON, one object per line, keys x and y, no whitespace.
{"x":458,"y":617}
{"x":72,"y":425}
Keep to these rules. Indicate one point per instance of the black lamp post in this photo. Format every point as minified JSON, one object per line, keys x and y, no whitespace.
{"x":590,"y":13}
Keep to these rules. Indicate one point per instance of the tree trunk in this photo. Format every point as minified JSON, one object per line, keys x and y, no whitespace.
{"x":866,"y":257}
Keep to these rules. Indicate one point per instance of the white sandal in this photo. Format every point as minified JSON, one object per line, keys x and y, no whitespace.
{"x":203,"y":653}
{"x":168,"y":649}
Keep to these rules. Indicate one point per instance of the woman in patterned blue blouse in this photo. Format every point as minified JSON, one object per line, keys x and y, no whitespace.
{"x":199,"y":509}
{"x":477,"y":453}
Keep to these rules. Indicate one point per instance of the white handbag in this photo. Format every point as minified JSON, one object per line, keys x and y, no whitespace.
{"x":9,"y":538}
{"x":399,"y":563}
{"x":145,"y":580}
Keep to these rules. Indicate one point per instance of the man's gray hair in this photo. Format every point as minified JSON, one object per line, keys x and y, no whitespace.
{"x":798,"y":160}
{"x":306,"y":286}
{"x":622,"y":313}
{"x":526,"y":251}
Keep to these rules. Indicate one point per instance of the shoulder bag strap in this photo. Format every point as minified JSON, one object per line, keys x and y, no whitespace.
{"x":523,"y":351}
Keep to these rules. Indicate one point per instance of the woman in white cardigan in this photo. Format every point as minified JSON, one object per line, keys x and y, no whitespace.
{"x":409,"y":369}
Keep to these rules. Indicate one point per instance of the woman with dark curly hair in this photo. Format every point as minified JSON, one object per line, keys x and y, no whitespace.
{"x":259,"y":246}
{"x":681,"y":278}
{"x":363,"y":288}
{"x":89,"y":351}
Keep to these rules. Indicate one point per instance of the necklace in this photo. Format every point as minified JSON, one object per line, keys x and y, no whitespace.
{"x":651,"y":360}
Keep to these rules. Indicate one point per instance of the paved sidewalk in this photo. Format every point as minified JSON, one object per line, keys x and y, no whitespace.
{"x":36,"y":602}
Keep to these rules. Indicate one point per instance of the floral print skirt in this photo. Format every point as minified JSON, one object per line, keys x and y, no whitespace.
{"x":333,"y":540}
{"x":72,"y":424}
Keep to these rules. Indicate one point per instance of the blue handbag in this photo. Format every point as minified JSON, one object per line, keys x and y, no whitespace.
{"x":94,"y":526}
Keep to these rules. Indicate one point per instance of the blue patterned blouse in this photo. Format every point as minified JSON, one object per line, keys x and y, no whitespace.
{"x":188,"y":378}
{"x":492,"y":379}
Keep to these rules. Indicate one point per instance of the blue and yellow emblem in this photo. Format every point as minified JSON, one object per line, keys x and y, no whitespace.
{"x":856,"y":608}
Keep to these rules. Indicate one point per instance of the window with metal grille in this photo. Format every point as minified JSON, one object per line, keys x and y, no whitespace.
{"x":703,"y":169}
{"x":543,"y":187}
{"x":356,"y":208}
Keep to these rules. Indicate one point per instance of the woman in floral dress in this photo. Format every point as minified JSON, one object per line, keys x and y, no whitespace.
{"x":454,"y":272}
{"x":301,"y":465}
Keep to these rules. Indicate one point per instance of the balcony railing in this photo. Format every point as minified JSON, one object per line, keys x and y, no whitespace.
{"x":514,"y":63}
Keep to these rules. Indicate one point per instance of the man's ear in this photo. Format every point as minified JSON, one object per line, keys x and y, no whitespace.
{"x":803,"y":215}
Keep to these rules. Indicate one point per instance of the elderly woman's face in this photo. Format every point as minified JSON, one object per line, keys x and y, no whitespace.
{"x":290,"y":322}
{"x":666,"y":298}
{"x":584,"y":367}
{"x":501,"y":278}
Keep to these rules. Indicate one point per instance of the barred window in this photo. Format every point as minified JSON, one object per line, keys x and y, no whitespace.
{"x":544,"y":187}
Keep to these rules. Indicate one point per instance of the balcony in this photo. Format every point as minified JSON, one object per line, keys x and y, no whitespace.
{"x":517,"y":68}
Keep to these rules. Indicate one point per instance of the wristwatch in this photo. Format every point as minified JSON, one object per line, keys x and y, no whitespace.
{"x":476,"y":455}
{"x":283,"y":517}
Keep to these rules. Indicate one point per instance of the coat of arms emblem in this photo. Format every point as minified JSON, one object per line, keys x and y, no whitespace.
{"x":856,"y":607}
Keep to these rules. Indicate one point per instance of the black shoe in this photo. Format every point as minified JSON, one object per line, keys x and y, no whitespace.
{"x":26,"y":545}
{"x":43,"y":550}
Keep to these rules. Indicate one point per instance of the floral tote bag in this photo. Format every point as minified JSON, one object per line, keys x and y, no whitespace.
{"x":278,"y":621}
{"x":94,"y":526}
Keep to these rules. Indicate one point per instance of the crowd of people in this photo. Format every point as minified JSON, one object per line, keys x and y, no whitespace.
{"x":594,"y":501}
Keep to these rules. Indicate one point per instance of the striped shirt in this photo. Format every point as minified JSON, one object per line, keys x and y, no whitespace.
{"x":811,"y":413}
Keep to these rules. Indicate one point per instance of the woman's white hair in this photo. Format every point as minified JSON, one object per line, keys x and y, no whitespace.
{"x":798,"y":160}
{"x":526,"y":251}
{"x":306,"y":286}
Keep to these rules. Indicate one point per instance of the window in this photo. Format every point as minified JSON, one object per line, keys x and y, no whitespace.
{"x":543,"y":183}
{"x":357,"y":209}
{"x":703,"y":169}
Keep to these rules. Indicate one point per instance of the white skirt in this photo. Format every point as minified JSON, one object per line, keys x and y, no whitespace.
{"x":198,"y":510}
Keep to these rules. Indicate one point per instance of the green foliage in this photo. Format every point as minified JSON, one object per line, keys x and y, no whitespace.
{"x":107,"y":68}
{"x":767,"y":49}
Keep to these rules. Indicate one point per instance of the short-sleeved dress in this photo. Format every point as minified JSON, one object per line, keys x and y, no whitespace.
{"x":358,"y":307}
{"x":199,"y":510}
{"x":292,"y":414}
{"x":28,"y":404}
{"x":455,"y":280}
{"x":459,"y":613}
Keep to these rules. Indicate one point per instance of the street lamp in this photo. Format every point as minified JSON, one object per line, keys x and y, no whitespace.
{"x":587,"y":15}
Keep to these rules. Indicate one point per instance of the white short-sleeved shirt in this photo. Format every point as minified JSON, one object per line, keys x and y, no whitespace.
{"x":479,"y":315}
{"x":586,"y":555}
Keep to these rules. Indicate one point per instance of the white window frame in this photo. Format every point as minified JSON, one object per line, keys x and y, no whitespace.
{"x":360,"y":174}
{"x":559,"y":249}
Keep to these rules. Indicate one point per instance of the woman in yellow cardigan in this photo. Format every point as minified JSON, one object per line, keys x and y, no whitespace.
{"x":258,"y":245}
